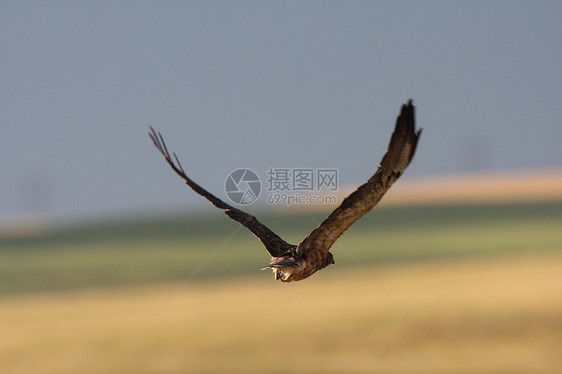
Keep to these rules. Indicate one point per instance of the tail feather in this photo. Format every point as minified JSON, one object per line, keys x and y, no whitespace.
{"x":284,"y":261}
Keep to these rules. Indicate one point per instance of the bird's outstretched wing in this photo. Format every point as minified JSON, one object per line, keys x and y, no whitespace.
{"x":276,"y":246}
{"x":399,"y":154}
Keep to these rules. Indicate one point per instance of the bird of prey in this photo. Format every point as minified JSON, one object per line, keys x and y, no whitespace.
{"x":297,"y":262}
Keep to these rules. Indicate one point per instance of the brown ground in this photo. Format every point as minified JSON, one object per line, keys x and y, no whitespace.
{"x":494,"y":315}
{"x":505,"y":187}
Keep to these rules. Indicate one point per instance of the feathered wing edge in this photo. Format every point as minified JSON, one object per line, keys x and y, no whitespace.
{"x":276,"y":246}
{"x":400,"y":152}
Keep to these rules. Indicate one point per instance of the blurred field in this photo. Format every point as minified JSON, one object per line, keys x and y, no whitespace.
{"x":172,"y":248}
{"x":480,"y":282}
{"x":484,"y":188}
{"x":477,"y":316}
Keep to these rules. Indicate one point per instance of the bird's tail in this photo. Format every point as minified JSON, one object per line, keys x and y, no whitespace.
{"x":283,"y":261}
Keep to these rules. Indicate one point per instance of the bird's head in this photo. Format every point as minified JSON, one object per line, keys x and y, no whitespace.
{"x":329,"y":260}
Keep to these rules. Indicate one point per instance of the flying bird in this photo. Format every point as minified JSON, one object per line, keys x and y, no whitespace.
{"x":297,"y":262}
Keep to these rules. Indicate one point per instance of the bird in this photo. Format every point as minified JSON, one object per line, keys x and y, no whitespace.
{"x":297,"y":262}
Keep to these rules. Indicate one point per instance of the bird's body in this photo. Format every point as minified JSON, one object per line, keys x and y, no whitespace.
{"x":300,"y":265}
{"x":294,"y":263}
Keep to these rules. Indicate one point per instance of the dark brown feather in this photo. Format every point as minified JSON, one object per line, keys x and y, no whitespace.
{"x":292,"y":263}
{"x":399,"y":154}
{"x":276,"y":246}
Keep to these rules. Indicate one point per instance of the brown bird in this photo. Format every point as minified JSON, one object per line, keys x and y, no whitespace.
{"x":291,"y":262}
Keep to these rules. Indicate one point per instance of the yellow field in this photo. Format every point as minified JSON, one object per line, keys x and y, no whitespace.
{"x":469,"y":316}
{"x":485,"y":188}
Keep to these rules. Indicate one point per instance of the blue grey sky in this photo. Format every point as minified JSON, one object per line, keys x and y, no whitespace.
{"x":264,"y":84}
